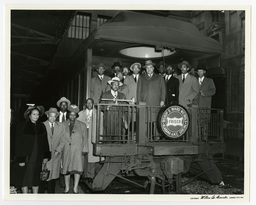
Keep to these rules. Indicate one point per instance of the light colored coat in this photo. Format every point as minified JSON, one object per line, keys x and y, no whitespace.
{"x":56,"y":143}
{"x":132,"y":87}
{"x":188,"y":90}
{"x":75,"y":145}
{"x":151,"y":90}
{"x":91,"y":133}
{"x":98,"y":87}
{"x":208,"y":89}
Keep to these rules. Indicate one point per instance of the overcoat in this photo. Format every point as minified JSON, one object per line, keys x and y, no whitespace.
{"x":188,"y":90}
{"x":124,"y":89}
{"x":151,"y":90}
{"x":208,"y":89}
{"x":132,"y":87}
{"x":98,"y":87}
{"x":56,"y":143}
{"x":91,"y":132}
{"x":75,"y":144}
{"x":172,"y":87}
{"x":27,"y":148}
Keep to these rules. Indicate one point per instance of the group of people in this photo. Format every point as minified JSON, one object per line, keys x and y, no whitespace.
{"x":152,"y":88}
{"x":62,"y":144}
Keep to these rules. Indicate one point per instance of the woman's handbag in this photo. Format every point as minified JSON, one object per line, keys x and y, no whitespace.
{"x":44,"y":175}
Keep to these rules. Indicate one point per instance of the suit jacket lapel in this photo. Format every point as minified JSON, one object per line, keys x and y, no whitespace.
{"x":48,"y":128}
{"x":204,"y":82}
{"x":187,"y":80}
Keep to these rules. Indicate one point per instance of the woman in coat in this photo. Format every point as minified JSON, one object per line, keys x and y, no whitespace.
{"x":31,"y":149}
{"x":76,"y":145}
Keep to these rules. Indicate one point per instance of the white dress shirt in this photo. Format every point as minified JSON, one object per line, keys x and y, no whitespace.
{"x":114,"y":93}
{"x":101,"y":77}
{"x":61,"y":114}
{"x":167,"y":77}
{"x":200,"y":80}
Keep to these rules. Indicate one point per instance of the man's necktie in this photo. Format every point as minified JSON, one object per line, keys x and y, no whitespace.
{"x":135,"y":79}
{"x":71,"y":126}
{"x":63,"y":118}
{"x":183,"y":78}
{"x":166,"y":78}
{"x":101,"y":77}
{"x":52,"y":128}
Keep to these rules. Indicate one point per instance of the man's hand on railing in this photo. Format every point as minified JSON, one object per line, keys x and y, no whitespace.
{"x":132,"y":101}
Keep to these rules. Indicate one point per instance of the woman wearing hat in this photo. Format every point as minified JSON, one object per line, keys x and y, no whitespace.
{"x":75,"y":147}
{"x":31,"y":149}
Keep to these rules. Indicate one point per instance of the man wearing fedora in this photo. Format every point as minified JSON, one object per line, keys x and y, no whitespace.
{"x":188,"y":88}
{"x":63,"y":104}
{"x":132,"y":81}
{"x":55,"y":135}
{"x":151,"y":87}
{"x":116,"y":67}
{"x":161,"y":69}
{"x":206,"y":89}
{"x":114,"y":124}
{"x":99,"y":83}
{"x":172,"y":86}
{"x":114,"y":93}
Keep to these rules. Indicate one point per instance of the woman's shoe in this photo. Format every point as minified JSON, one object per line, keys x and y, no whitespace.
{"x":75,"y":191}
{"x":66,"y":191}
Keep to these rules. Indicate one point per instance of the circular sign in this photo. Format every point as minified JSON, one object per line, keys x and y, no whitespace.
{"x":173,"y":121}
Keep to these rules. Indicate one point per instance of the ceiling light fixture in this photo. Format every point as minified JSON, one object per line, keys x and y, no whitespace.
{"x":146,"y":52}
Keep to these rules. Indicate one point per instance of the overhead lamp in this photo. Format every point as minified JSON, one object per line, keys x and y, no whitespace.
{"x":146,"y":52}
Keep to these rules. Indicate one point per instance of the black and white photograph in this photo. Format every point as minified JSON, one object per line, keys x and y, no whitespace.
{"x":138,"y":102}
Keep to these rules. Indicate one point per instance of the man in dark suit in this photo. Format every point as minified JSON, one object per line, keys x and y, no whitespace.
{"x":188,"y":88}
{"x":161,"y":69}
{"x":116,"y":67}
{"x":63,"y":104}
{"x":99,"y":83}
{"x":206,"y":89}
{"x":172,"y":86}
{"x":151,"y":87}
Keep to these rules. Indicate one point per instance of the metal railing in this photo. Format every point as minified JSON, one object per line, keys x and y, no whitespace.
{"x":115,"y":123}
{"x":126,"y":124}
{"x":210,"y":124}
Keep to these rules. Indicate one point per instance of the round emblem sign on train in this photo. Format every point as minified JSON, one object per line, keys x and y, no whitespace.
{"x":173,"y":121}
